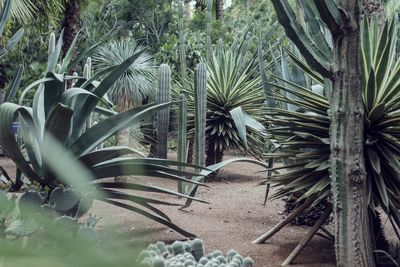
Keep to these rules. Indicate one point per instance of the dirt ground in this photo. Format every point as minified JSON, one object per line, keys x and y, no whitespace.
{"x":234,"y":217}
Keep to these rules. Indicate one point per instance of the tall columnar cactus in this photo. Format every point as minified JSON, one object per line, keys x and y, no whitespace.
{"x":163,"y":96}
{"x":87,"y":74}
{"x":342,"y":66}
{"x":52,"y":44}
{"x":182,"y":136}
{"x":181,"y":35}
{"x":200,"y":112}
{"x":208,"y":28}
{"x":87,"y":70}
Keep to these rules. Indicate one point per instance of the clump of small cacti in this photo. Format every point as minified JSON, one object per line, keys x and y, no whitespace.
{"x":64,"y":206}
{"x":189,"y":254}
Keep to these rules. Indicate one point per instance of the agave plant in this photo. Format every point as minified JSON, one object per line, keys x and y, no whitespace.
{"x":303,"y":134}
{"x":61,"y":114}
{"x":235,"y":99}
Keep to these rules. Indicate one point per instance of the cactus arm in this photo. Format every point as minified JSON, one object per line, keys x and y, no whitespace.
{"x":314,"y":27}
{"x":330,"y":14}
{"x":314,"y":57}
{"x":163,"y":96}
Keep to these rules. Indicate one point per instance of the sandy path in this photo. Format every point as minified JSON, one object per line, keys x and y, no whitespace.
{"x":234,"y":218}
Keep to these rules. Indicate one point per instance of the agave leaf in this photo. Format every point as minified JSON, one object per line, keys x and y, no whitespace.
{"x":143,"y":201}
{"x":30,"y":87}
{"x":105,"y":128}
{"x":144,"y":188}
{"x":58,"y":123}
{"x":84,"y":108}
{"x":158,"y":171}
{"x":52,"y":91}
{"x":155,"y":161}
{"x":150,"y":216}
{"x":8,"y":111}
{"x":192,"y":189}
{"x":104,"y":154}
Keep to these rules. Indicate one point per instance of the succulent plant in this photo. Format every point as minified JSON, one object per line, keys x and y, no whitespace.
{"x":163,"y":96}
{"x":159,"y":255}
{"x":200,"y":112}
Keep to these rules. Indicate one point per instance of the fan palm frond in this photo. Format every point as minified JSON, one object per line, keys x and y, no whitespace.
{"x":136,"y":84}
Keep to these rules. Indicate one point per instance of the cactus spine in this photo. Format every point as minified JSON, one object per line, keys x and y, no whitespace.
{"x":208,"y":29}
{"x":164,"y":95}
{"x":181,"y":33}
{"x":182,"y":136}
{"x":200,"y":112}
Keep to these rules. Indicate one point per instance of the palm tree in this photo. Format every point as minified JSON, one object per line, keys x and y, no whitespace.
{"x":71,"y":22}
{"x":219,"y":9}
{"x":21,"y":9}
{"x":136,"y":84}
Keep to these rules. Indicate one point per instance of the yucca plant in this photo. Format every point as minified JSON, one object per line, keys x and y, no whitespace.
{"x":235,"y":97}
{"x":303,"y":135}
{"x":61,"y":114}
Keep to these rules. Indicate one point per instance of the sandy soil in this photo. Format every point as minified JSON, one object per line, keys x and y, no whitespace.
{"x":234,"y":217}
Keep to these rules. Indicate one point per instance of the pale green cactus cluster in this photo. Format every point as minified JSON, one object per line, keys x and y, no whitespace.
{"x":189,"y":254}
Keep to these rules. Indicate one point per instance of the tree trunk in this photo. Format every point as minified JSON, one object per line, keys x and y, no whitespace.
{"x":353,"y":241}
{"x":123,"y":137}
{"x":71,"y":23}
{"x":374,"y":9}
{"x":219,"y":9}
{"x":188,"y":10}
{"x":213,"y":156}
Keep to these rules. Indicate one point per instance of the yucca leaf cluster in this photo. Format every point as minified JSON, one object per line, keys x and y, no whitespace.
{"x":303,"y":136}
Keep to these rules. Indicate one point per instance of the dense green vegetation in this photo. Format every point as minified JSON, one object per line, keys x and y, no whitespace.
{"x":99,"y":89}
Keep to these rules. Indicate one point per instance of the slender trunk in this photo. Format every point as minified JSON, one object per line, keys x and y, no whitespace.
{"x":71,"y":23}
{"x":213,"y":156}
{"x":219,"y":9}
{"x":188,"y":10}
{"x":353,"y":242}
{"x":123,"y":137}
